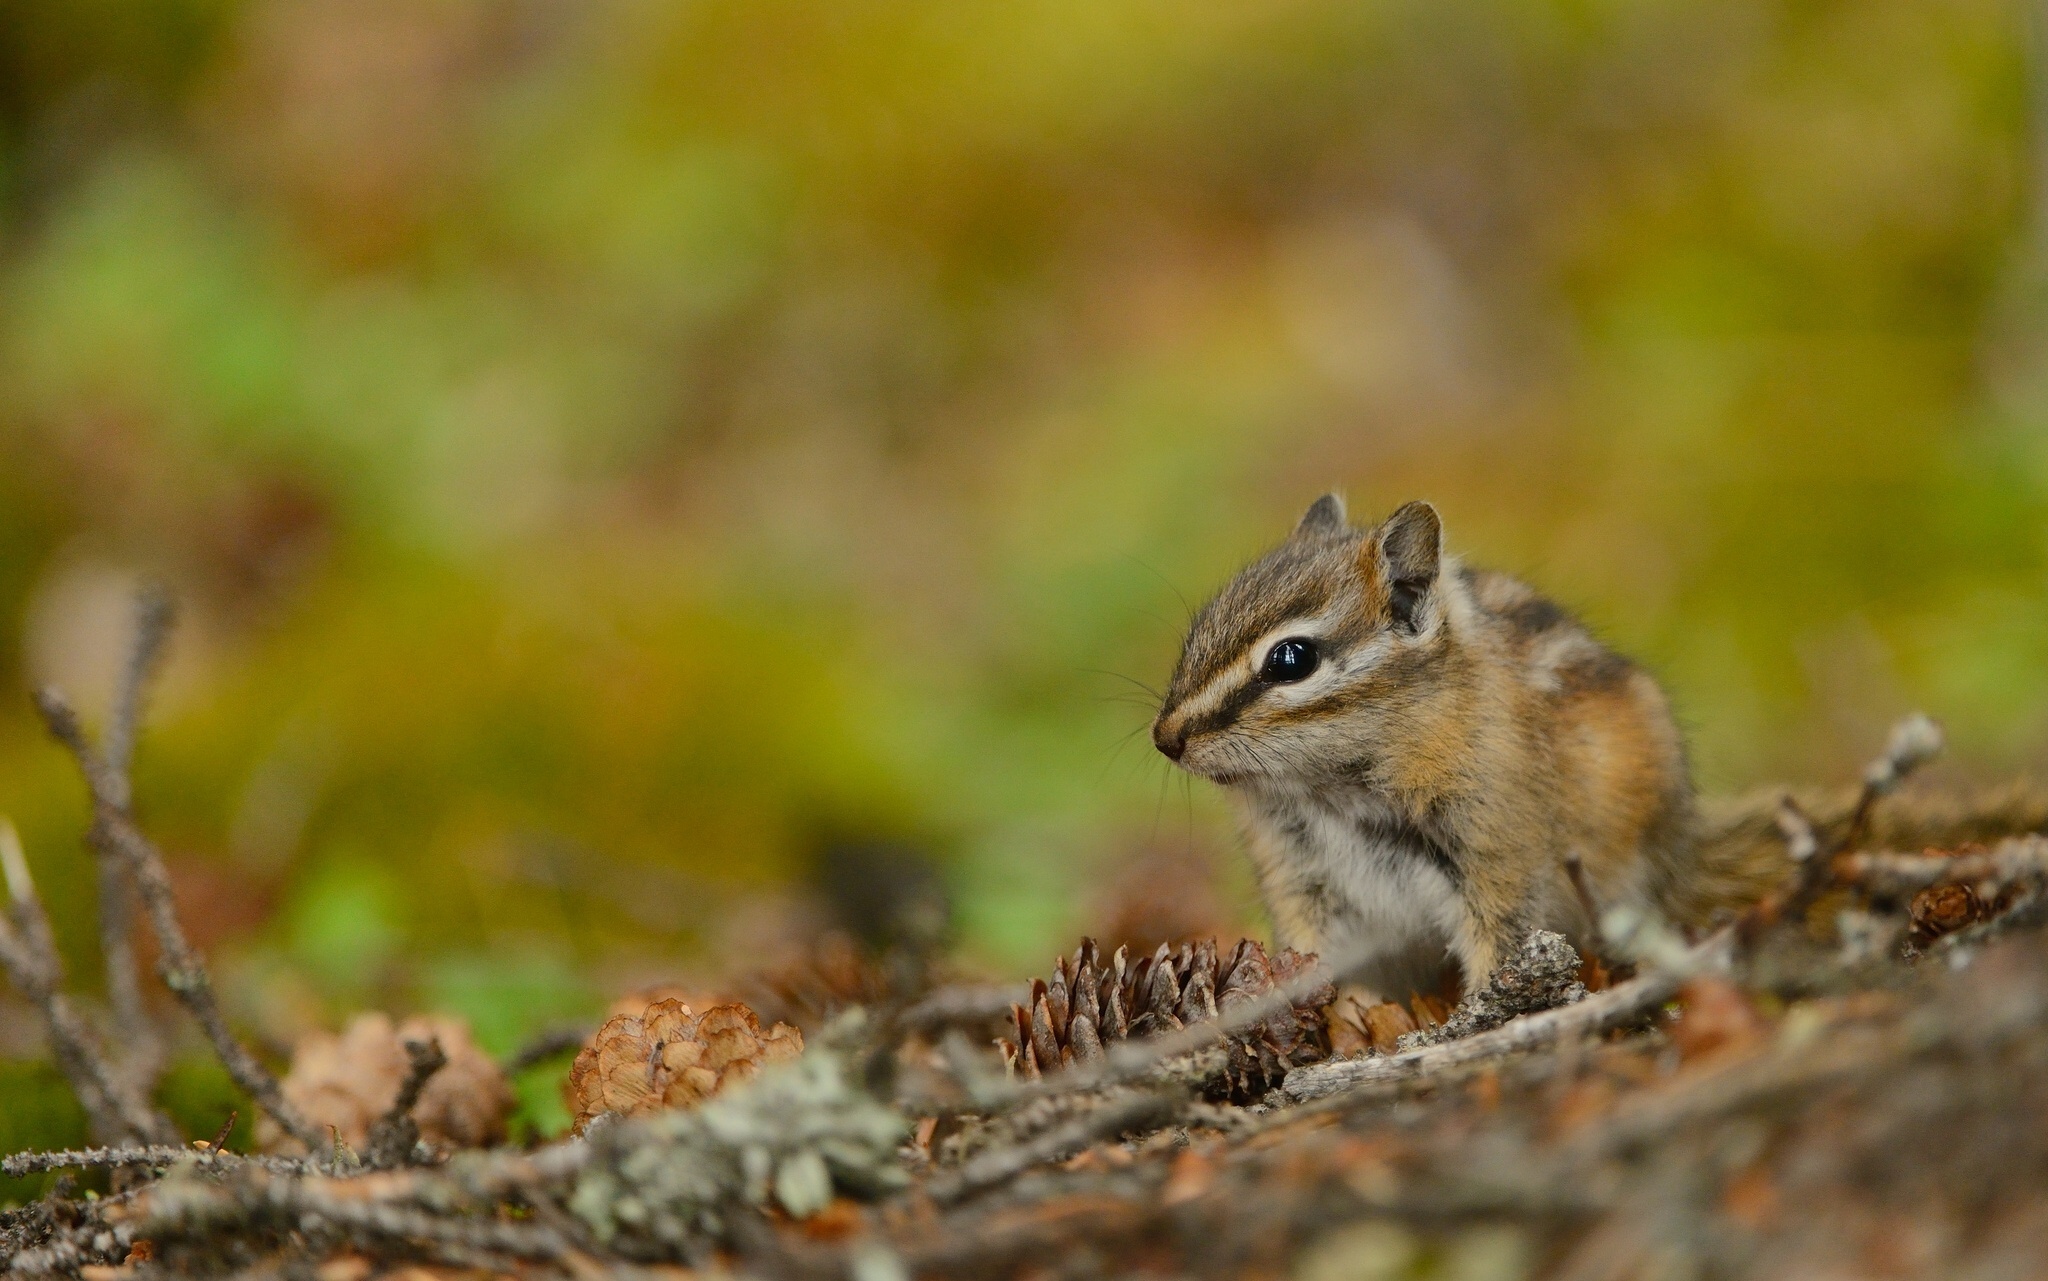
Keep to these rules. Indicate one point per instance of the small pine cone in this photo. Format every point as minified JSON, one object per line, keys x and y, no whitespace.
{"x":347,"y":1082}
{"x":1944,"y":909}
{"x":1091,"y":1003}
{"x":668,"y":1057}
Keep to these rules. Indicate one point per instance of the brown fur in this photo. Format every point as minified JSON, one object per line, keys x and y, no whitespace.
{"x":1483,"y":733}
{"x":1459,"y":738}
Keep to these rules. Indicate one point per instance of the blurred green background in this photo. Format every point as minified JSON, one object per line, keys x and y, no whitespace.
{"x":611,"y":453}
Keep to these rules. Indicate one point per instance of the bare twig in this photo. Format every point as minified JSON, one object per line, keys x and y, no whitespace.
{"x":143,"y":1059}
{"x":393,"y":1135}
{"x":1143,"y":1111}
{"x":154,"y":615}
{"x":161,"y":1156}
{"x":1618,"y":1006}
{"x":546,"y":1045}
{"x":1914,"y":741}
{"x":311,"y":1205}
{"x":1812,"y":869}
{"x":29,"y":952}
{"x":220,"y":1136}
{"x":966,"y":1003}
{"x":2022,"y":858}
{"x":180,"y":965}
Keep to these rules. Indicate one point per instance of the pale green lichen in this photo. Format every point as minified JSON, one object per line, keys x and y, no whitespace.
{"x":656,"y":1187}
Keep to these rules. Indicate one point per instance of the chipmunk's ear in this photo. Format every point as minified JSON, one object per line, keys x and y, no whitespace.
{"x":1325,"y":516}
{"x":1410,"y":546}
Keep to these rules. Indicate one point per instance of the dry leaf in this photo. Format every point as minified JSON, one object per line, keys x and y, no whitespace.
{"x":1715,"y":1018}
{"x":1188,"y":1179}
{"x":1429,"y":1010}
{"x":1386,"y":1023}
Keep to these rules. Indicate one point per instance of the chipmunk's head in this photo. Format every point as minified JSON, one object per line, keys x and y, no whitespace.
{"x":1284,"y":674}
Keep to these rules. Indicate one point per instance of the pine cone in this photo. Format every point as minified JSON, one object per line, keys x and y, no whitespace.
{"x":637,"y":1002}
{"x":1944,"y":909}
{"x":1091,"y":1004}
{"x":667,"y":1057}
{"x":347,"y":1082}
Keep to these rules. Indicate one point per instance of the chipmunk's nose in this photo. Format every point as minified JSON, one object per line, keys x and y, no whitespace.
{"x":1171,"y":743}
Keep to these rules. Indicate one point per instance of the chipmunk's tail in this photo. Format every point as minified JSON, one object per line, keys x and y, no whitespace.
{"x":1740,"y":853}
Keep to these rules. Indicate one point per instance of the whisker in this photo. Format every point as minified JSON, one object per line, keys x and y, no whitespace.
{"x":1117,"y":750}
{"x":1156,"y":695}
{"x":1131,"y":699}
{"x":1154,"y":571}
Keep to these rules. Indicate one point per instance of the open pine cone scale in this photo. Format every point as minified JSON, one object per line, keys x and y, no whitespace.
{"x":1090,"y":1003}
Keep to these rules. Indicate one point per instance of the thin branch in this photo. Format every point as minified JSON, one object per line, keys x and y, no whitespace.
{"x":546,"y":1045}
{"x":1812,"y":870}
{"x":2020,"y":858}
{"x":312,"y":1204}
{"x":29,"y":952}
{"x":180,"y":965}
{"x":1618,"y":1006}
{"x":1144,"y":1111}
{"x":161,"y":1156}
{"x":1914,"y":741}
{"x":220,"y":1136}
{"x":153,"y":618}
{"x":154,"y":615}
{"x":965,"y":1003}
{"x":393,"y":1135}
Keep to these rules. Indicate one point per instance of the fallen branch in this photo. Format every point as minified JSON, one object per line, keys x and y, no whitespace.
{"x":1143,"y":1111}
{"x":161,"y":1156}
{"x":180,"y":965}
{"x":191,"y":1210}
{"x":1618,"y":1006}
{"x":1892,"y":875}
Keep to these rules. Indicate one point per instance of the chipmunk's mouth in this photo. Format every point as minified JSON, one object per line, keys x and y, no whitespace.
{"x":1222,"y":777}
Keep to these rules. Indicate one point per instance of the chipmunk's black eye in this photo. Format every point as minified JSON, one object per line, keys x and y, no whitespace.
{"x":1291,"y":660}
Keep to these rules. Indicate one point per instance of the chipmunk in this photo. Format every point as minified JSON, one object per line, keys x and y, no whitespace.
{"x":1417,"y":745}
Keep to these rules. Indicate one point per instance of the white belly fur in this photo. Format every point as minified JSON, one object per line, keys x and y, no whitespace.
{"x":1357,"y":888}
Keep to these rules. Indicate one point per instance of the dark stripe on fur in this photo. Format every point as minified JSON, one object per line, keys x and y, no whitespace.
{"x":1410,"y":837}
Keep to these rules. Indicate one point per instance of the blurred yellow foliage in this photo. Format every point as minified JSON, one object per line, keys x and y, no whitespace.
{"x":608,"y":451}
